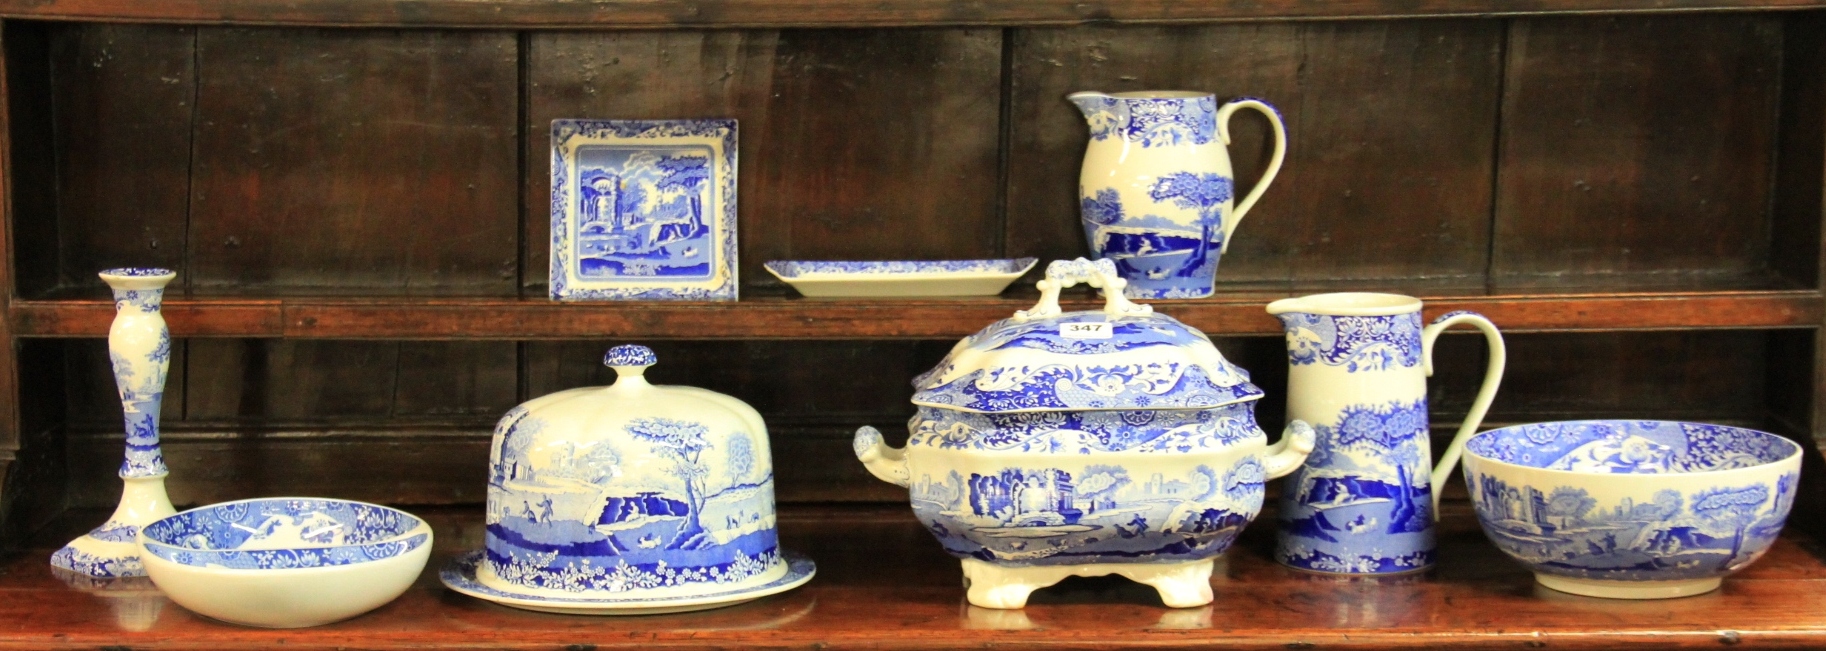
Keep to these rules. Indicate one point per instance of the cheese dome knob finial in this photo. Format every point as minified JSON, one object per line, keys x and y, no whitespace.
{"x":630,"y":359}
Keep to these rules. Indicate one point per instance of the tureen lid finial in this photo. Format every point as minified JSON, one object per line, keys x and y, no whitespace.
{"x":630,"y":360}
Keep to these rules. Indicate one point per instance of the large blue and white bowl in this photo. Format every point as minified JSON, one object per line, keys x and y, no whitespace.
{"x":285,"y":562}
{"x":1632,"y":509}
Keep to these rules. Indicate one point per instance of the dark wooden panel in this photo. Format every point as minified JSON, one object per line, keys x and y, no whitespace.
{"x":1703,"y":376}
{"x":262,"y":381}
{"x":884,"y":583}
{"x":623,"y":14}
{"x":352,"y":161}
{"x":456,"y":379}
{"x":1382,"y":178}
{"x":36,"y":483}
{"x":31,"y":154}
{"x":846,"y":137}
{"x":403,"y":466}
{"x":1800,"y":180}
{"x":252,"y":380}
{"x":124,"y":96}
{"x":1637,"y":146}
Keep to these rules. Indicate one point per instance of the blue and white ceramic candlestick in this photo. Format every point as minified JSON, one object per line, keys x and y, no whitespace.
{"x":139,"y":345}
{"x":1364,"y":502}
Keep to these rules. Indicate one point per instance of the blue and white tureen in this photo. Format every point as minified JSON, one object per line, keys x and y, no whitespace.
{"x":628,"y":499}
{"x":1113,"y":441}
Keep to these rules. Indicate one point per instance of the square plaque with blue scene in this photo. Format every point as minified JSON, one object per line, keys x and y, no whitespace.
{"x":643,"y":210}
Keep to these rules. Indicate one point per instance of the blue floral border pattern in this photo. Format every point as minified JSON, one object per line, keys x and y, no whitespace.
{"x":533,"y":570}
{"x":112,"y":531}
{"x":1153,"y":122}
{"x":137,"y":272}
{"x":725,"y":171}
{"x":73,"y":560}
{"x":1358,"y":343}
{"x":1156,"y":385}
{"x":799,"y":268}
{"x":285,"y":559}
{"x":1166,"y":431}
{"x":460,"y":574}
{"x":227,"y":525}
{"x":1630,"y":446}
{"x":630,"y":355}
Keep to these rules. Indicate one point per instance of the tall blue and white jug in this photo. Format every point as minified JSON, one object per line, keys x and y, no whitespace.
{"x":1365,"y":501}
{"x":1157,"y":191}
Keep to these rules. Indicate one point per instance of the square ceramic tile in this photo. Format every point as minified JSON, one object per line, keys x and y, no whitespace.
{"x":643,"y":210}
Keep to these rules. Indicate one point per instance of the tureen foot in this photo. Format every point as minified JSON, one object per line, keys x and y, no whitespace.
{"x":1181,"y":585}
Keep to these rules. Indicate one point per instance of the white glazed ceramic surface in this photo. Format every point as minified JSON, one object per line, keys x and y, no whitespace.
{"x":855,"y":279}
{"x":139,"y":351}
{"x":1116,"y":441}
{"x":1156,"y":189}
{"x":461,"y":575}
{"x":1631,"y":509}
{"x":285,"y":562}
{"x":1365,"y":501}
{"x":643,"y":210}
{"x":630,"y":492}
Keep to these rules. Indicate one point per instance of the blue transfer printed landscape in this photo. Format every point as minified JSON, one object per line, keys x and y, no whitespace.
{"x":1099,"y":514}
{"x":1363,"y":502}
{"x":579,"y":519}
{"x":647,"y":214}
{"x":641,"y":211}
{"x":1710,"y":525}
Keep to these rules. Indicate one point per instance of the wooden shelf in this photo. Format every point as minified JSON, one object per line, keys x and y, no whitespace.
{"x":795,"y":318}
{"x":559,"y":14}
{"x":883,"y":583}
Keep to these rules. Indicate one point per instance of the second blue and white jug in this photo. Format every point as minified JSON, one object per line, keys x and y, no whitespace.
{"x":1364,"y":502}
{"x":1157,"y":191}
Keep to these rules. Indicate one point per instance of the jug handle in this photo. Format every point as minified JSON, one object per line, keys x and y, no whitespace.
{"x":1061,"y":274}
{"x":1493,"y":377}
{"x":1274,"y":163}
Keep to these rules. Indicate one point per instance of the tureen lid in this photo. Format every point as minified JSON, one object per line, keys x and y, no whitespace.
{"x":1123,"y":356}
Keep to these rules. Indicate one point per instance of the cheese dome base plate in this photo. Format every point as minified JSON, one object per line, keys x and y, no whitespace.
{"x":460,"y":575}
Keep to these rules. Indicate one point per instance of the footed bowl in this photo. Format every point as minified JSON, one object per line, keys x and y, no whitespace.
{"x":1631,"y":509}
{"x":285,"y":562}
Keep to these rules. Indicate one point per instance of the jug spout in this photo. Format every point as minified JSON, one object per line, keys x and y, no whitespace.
{"x":1090,"y":102}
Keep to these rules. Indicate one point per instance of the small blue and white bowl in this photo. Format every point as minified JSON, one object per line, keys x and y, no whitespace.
{"x":285,"y":562}
{"x":1631,"y":509}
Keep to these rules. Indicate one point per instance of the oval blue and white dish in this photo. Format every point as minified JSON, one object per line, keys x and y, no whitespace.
{"x":460,"y":575}
{"x":899,"y":278}
{"x":1630,"y":509}
{"x":285,"y":562}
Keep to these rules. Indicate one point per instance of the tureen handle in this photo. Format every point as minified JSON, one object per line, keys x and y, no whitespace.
{"x":1061,"y":274}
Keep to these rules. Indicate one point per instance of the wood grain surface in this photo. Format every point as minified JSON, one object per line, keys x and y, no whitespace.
{"x":1647,"y":140}
{"x":787,"y":318}
{"x":339,"y":161}
{"x":626,"y":14}
{"x":882,"y":582}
